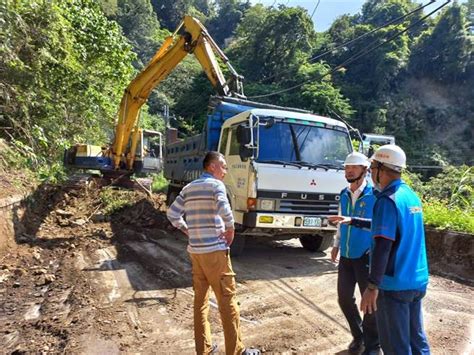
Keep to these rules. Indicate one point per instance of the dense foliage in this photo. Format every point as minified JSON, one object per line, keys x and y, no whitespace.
{"x":448,"y":198}
{"x":64,"y":66}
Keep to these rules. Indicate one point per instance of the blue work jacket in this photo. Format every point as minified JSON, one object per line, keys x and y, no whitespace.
{"x":355,"y":242}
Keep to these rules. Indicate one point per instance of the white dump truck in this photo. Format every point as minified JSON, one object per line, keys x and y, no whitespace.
{"x":285,"y":169}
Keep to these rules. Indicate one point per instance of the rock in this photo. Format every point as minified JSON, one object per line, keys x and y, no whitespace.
{"x":49,"y":278}
{"x":16,"y":284}
{"x":19,"y":272}
{"x":61,"y":212}
{"x":40,"y":281}
{"x":98,"y":218}
{"x":64,"y":223}
{"x":45,"y":279}
{"x":40,"y":272}
{"x":4,"y":275}
{"x":79,"y":222}
{"x":36,"y":255}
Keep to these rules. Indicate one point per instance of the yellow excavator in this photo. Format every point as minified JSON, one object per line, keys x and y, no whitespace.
{"x":135,"y":150}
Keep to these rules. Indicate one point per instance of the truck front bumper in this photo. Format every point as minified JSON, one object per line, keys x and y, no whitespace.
{"x":291,"y":223}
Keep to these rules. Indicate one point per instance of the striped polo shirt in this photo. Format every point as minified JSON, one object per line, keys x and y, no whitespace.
{"x":203,"y":209}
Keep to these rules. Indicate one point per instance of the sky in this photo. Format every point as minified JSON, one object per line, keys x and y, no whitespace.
{"x":329,"y":10}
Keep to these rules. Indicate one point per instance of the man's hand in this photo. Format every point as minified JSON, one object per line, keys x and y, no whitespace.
{"x":369,"y":301}
{"x":334,"y":253}
{"x":228,"y":236}
{"x":339,"y":219}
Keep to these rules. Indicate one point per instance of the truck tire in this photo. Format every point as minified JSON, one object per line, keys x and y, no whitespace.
{"x":316,"y":242}
{"x":171,"y":195}
{"x":238,"y":245}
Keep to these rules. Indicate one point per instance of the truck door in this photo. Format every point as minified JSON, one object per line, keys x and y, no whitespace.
{"x":237,"y":178}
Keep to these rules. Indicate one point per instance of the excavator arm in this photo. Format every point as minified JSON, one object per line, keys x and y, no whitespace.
{"x":190,"y":37}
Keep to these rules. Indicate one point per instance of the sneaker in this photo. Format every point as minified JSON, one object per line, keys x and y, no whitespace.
{"x":251,"y":352}
{"x":356,"y":346}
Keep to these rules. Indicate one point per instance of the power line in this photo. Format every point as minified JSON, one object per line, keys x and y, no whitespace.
{"x":315,"y":8}
{"x":344,"y":44}
{"x":354,"y":57}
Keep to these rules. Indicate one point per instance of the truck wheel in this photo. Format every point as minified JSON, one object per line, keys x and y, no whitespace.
{"x":316,"y":242}
{"x":171,"y":195}
{"x":238,"y":245}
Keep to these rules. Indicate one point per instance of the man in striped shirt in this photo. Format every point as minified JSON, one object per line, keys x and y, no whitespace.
{"x":209,"y":225}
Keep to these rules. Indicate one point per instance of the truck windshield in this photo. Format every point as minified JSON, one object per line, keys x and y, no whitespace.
{"x":293,"y":142}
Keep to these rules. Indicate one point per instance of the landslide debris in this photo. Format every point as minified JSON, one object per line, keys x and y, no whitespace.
{"x":46,"y":302}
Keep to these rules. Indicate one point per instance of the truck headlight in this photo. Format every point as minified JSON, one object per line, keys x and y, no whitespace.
{"x":267,"y":205}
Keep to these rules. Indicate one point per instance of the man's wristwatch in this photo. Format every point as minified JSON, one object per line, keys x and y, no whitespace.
{"x":372,"y":286}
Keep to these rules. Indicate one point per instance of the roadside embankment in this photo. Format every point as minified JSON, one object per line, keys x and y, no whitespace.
{"x":451,"y":254}
{"x":10,"y":211}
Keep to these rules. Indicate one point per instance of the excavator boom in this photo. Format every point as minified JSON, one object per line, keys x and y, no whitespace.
{"x":190,"y":37}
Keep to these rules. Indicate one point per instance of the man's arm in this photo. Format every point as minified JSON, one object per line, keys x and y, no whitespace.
{"x":225,"y":212}
{"x":223,"y":206}
{"x":379,"y":261}
{"x":362,"y":223}
{"x":175,"y":214}
{"x":337,"y":236}
{"x":384,"y":231}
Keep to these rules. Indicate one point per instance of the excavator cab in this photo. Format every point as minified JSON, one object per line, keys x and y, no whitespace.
{"x":149,"y":157}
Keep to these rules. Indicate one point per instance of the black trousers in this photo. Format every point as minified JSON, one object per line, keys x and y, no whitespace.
{"x":350,"y":273}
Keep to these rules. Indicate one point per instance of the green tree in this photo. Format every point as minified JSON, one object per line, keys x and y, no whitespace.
{"x":269,"y":41}
{"x":140,"y":25}
{"x":445,"y":52}
{"x":64,"y":67}
{"x":318,"y":94}
{"x":224,"y":23}
{"x":171,"y":12}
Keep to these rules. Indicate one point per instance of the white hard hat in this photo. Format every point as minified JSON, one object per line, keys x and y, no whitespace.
{"x":356,"y":158}
{"x":390,"y":155}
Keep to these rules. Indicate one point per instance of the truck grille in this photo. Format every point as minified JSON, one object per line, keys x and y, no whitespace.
{"x":307,"y":207}
{"x":302,"y":203}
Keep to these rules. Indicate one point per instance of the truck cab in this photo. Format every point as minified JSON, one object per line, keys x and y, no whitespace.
{"x":370,"y":142}
{"x":285,"y":173}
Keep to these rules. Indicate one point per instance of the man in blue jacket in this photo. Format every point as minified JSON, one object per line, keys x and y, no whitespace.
{"x":357,"y":200}
{"x":399,"y":270}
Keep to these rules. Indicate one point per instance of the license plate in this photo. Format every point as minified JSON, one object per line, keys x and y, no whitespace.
{"x":311,"y":222}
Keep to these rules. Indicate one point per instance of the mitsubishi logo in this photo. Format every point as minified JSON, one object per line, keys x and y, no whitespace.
{"x":312,"y":183}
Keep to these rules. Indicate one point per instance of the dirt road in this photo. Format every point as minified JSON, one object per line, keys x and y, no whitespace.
{"x":112,"y":287}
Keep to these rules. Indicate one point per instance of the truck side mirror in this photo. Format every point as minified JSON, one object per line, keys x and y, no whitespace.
{"x":245,"y":153}
{"x":243,"y":135}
